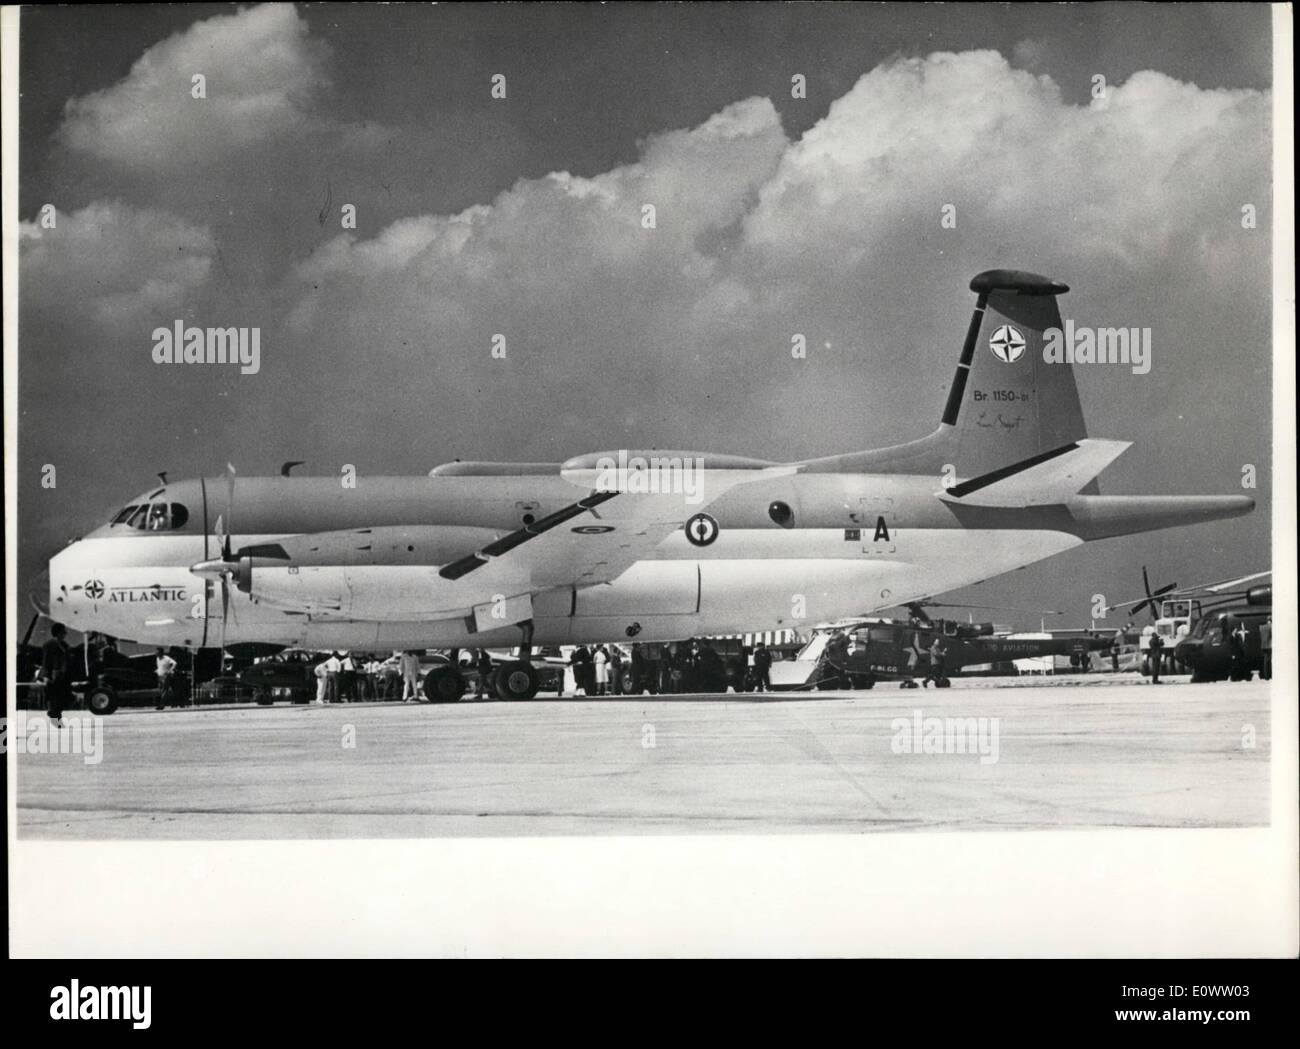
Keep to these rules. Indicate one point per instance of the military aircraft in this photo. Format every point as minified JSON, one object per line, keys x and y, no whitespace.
{"x":1224,"y":639}
{"x":858,"y":654}
{"x":1198,"y":632}
{"x":648,"y":545}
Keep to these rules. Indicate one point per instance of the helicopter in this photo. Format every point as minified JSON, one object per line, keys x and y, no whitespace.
{"x":858,"y":653}
{"x":1211,"y":629}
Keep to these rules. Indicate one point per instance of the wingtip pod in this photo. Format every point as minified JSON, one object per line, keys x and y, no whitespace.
{"x":1103,"y":516}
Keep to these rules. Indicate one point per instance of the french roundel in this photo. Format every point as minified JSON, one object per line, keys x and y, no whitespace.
{"x":701,"y":530}
{"x":1007,"y":344}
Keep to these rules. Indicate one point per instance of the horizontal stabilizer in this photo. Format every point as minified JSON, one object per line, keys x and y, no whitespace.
{"x":1043,"y":479}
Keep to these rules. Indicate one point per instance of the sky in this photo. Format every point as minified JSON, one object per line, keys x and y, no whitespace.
{"x":1109,"y":146}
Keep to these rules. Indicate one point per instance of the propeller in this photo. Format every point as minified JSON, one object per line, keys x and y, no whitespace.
{"x":1150,"y":601}
{"x":224,"y":567}
{"x":1151,"y":597}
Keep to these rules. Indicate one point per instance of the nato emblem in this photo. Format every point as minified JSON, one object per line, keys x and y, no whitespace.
{"x":1007,"y":344}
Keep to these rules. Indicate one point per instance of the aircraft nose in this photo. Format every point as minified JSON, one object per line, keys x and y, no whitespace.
{"x":64,"y":574}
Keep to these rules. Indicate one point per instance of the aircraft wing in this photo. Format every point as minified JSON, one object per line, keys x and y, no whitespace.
{"x":594,"y":539}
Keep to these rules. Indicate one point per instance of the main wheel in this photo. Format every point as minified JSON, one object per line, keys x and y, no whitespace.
{"x":101,"y":700}
{"x":516,"y":680}
{"x":444,"y":686}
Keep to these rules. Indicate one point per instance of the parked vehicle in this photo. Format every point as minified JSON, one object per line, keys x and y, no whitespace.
{"x":290,"y":674}
{"x":229,"y":689}
{"x":129,"y":686}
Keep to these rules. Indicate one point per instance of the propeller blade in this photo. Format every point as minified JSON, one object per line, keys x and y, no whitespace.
{"x":1228,"y":584}
{"x":1005,"y":608}
{"x":230,"y":508}
{"x":225,"y":613}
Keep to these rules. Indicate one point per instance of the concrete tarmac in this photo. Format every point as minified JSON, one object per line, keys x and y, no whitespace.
{"x":1043,"y":757}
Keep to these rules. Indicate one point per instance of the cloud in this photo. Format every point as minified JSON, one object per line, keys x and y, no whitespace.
{"x":263,"y":74}
{"x":112,"y":267}
{"x":518,"y":264}
{"x":1134,"y":199}
{"x":1134,"y":176}
{"x":836,"y":236}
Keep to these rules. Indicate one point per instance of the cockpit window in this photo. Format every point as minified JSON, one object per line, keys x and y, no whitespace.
{"x":153,"y":517}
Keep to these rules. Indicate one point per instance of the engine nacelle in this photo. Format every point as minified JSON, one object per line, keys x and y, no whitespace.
{"x":384,"y":573}
{"x":1260,"y":595}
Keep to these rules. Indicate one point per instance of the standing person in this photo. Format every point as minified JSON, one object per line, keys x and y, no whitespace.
{"x":333,"y":666}
{"x":56,"y":674}
{"x":600,"y":658}
{"x":1116,"y":643}
{"x":937,"y":671}
{"x":1239,"y":637}
{"x":410,"y":664}
{"x":484,"y":665}
{"x":1155,"y":649}
{"x":1266,"y":649}
{"x":319,"y":671}
{"x":580,"y":660}
{"x":164,"y":668}
{"x":347,"y":678}
{"x":615,"y":670}
{"x":762,"y":668}
{"x":637,"y":663}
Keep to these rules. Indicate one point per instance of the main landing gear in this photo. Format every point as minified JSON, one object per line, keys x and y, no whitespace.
{"x":444,"y":685}
{"x":518,"y":679}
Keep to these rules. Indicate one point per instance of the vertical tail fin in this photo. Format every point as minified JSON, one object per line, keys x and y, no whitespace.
{"x":1006,"y":402}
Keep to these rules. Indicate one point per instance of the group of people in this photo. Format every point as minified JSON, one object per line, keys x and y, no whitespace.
{"x":694,"y":666}
{"x":598,"y":671}
{"x":344,"y":678}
